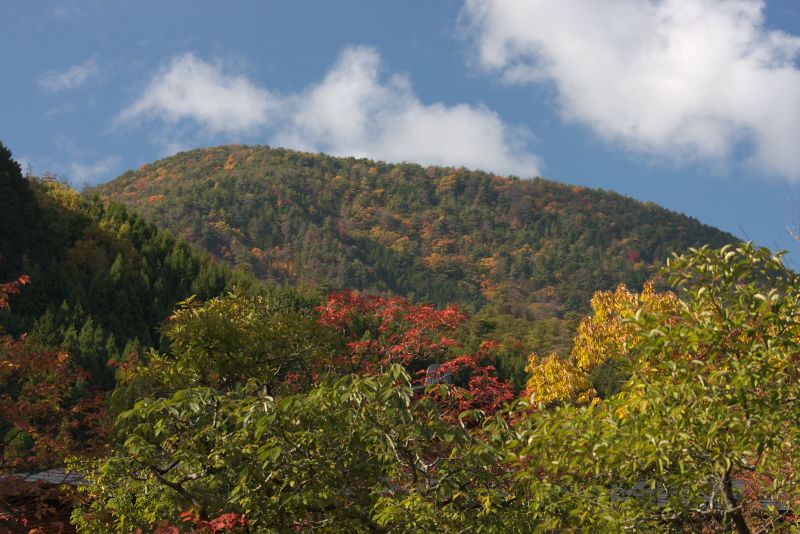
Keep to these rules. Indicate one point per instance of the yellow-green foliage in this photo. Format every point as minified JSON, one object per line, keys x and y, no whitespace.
{"x":607,"y":335}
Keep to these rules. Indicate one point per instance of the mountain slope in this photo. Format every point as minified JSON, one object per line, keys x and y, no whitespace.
{"x":525,"y":254}
{"x":102,"y":279}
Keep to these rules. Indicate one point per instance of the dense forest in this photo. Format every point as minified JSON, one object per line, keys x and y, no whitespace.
{"x":174,"y":395}
{"x":101,"y":280}
{"x":523,"y":256}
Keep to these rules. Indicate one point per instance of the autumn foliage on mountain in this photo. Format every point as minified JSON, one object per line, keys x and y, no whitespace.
{"x":524,"y":256}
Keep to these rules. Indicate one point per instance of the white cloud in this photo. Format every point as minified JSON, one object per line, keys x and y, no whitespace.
{"x":68,"y":10}
{"x":681,"y":78}
{"x":73,"y":9}
{"x":190,"y":88}
{"x":75,"y":76}
{"x":95,"y":172}
{"x":354,"y":111}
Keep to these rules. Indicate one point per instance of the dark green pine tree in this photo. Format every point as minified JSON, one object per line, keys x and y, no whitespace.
{"x":18,"y":209}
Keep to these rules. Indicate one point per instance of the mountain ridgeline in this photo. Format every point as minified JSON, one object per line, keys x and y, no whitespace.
{"x":524,"y":256}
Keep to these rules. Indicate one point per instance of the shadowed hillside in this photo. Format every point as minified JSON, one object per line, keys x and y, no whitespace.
{"x":102,"y":279}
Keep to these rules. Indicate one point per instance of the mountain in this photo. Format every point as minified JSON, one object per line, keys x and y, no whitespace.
{"x":524,"y":256}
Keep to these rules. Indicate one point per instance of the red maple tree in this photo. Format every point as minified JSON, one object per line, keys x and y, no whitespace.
{"x":381,"y":331}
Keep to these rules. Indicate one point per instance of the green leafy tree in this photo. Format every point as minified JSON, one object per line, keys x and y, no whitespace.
{"x":18,"y":209}
{"x":227,"y":341}
{"x":706,"y":428}
{"x":354,"y":454}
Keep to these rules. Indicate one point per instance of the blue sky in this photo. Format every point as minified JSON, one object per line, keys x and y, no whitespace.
{"x":691,"y":104}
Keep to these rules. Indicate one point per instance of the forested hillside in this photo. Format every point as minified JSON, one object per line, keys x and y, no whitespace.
{"x":101,"y":280}
{"x":524,"y":256}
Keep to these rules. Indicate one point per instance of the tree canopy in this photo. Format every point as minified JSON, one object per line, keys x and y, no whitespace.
{"x":698,"y":433}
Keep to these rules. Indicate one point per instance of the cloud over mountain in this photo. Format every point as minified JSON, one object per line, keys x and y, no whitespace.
{"x":354,"y":110}
{"x":188,"y":87}
{"x":90,"y":173}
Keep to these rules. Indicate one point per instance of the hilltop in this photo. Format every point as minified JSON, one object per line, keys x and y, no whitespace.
{"x":524,"y":256}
